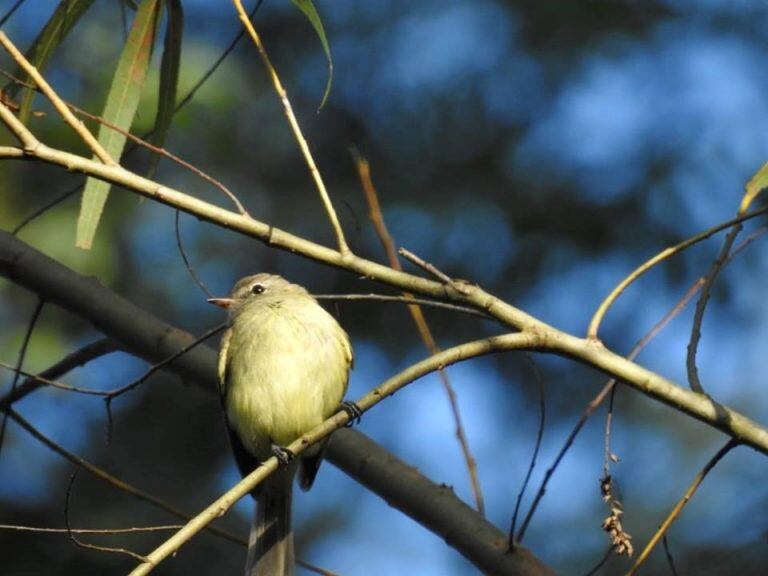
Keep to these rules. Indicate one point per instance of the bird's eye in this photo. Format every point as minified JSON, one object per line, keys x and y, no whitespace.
{"x":257,"y":288}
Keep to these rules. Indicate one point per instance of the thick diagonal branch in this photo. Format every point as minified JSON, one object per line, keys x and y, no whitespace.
{"x":142,"y":334}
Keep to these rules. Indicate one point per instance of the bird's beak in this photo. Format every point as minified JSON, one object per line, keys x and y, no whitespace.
{"x":221,"y":302}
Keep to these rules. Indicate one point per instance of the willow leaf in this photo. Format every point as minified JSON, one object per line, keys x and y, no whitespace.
{"x":310,"y":12}
{"x":120,"y":110}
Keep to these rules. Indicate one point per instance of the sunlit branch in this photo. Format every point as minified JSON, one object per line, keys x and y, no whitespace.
{"x":517,"y":341}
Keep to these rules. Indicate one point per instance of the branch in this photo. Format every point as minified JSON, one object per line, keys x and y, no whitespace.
{"x":153,"y":340}
{"x":516,"y":341}
{"x":585,"y":350}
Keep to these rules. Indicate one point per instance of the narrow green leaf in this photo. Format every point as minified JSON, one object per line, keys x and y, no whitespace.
{"x":756,"y":184}
{"x":310,"y":12}
{"x":169,"y":79}
{"x":120,"y":110}
{"x":64,"y":18}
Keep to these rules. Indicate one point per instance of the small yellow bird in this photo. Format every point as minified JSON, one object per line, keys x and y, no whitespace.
{"x":283,"y":369}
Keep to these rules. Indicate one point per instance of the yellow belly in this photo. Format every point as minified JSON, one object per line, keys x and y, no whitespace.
{"x":286,"y":373}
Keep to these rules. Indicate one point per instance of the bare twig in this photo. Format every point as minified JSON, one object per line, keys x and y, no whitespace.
{"x":53,"y":383}
{"x":20,"y":362}
{"x":57,"y":102}
{"x":10,"y":12}
{"x":144,"y":377}
{"x":594,"y":324}
{"x":591,"y":407}
{"x":421,"y":263}
{"x":668,"y":554}
{"x":78,"y":358}
{"x":227,"y":51}
{"x":293,"y":122}
{"x":86,"y":545}
{"x":681,"y":504}
{"x":701,"y":306}
{"x":106,"y":531}
{"x":45,"y":207}
{"x":188,"y":266}
{"x":405,"y":300}
{"x":600,"y":563}
{"x":388,"y":244}
{"x":537,"y":445}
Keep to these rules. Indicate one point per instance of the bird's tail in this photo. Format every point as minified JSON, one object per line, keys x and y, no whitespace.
{"x":270,"y":546}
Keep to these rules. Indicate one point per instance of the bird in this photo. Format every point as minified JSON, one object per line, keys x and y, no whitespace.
{"x":284,"y":366}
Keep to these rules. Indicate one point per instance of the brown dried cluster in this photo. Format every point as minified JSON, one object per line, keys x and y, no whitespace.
{"x":620,"y":539}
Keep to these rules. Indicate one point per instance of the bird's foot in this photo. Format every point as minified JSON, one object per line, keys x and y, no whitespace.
{"x":283,"y":455}
{"x":353,"y":411}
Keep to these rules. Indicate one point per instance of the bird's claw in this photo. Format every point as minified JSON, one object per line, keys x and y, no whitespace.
{"x":283,"y":455}
{"x":353,"y":411}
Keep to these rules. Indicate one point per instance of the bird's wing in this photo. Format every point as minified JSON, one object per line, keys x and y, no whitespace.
{"x":224,"y":362}
{"x":347,"y":346}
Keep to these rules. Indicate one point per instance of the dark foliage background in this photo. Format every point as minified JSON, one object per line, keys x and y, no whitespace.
{"x":542,"y":149}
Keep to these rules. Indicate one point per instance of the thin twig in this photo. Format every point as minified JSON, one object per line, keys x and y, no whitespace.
{"x":187,"y":265}
{"x":20,"y":362}
{"x":668,"y":554}
{"x":54,"y":383}
{"x":315,"y":569}
{"x":45,"y":207}
{"x":293,"y":122}
{"x":405,"y":300}
{"x":113,"y":480}
{"x":591,"y":407}
{"x":10,"y":12}
{"x":594,"y":324}
{"x":58,"y":103}
{"x":537,"y":446}
{"x":701,"y":306}
{"x":228,"y":50}
{"x":77,"y":358}
{"x":421,"y":263}
{"x":732,"y":443}
{"x":388,"y":244}
{"x":107,"y":531}
{"x":86,"y":545}
{"x":154,"y":368}
{"x":601,"y":562}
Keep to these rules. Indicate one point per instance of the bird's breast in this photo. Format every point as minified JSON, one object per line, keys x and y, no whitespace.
{"x":287,"y":372}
